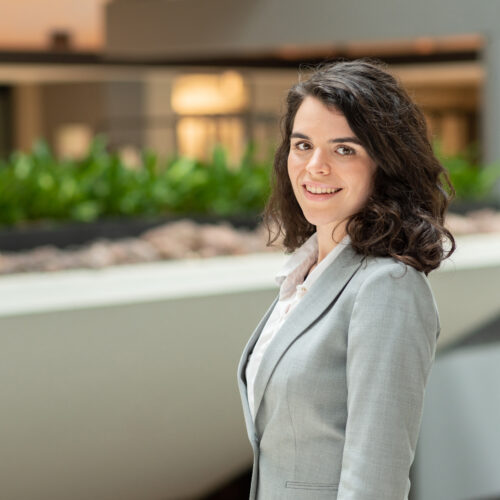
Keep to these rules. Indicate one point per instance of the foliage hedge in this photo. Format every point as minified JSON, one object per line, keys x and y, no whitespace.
{"x":37,"y":187}
{"x":471,"y":180}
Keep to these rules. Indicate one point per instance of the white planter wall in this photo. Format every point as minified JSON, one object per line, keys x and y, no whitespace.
{"x":121,"y":383}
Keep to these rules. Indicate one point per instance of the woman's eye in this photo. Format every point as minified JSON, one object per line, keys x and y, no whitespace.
{"x":301,"y":146}
{"x":345,"y":150}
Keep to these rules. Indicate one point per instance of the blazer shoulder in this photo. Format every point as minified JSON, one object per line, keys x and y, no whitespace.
{"x":385,"y":279}
{"x":389,"y":268}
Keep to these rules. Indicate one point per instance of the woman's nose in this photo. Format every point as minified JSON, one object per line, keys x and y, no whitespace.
{"x":318,"y":162}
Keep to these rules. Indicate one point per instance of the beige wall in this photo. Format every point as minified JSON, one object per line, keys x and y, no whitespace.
{"x":27,"y":23}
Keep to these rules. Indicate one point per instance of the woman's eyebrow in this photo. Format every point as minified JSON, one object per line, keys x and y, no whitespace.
{"x":300,"y":135}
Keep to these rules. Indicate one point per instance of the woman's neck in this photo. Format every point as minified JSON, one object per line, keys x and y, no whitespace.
{"x":326,"y":243}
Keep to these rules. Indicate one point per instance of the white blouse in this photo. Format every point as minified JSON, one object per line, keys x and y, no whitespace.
{"x":293,"y":287}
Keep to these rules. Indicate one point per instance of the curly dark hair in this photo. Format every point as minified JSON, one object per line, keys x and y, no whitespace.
{"x":404,"y":216}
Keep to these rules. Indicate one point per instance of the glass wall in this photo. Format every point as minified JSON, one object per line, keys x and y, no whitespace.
{"x":189,"y":110}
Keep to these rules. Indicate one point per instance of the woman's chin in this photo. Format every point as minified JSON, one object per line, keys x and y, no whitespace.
{"x":319,"y":221}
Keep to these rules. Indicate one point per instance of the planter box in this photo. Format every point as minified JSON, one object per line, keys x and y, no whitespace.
{"x":121,"y":382}
{"x":462,"y":207}
{"x":64,"y":235}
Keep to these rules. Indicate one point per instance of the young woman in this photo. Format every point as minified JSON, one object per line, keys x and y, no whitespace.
{"x":332,"y":379}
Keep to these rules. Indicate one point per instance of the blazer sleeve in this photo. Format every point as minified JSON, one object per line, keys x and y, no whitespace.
{"x":390,"y":350}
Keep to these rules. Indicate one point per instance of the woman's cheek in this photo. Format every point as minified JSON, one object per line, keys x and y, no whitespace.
{"x":291,"y":169}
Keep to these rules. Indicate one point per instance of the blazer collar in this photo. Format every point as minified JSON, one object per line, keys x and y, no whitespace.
{"x":324,"y":293}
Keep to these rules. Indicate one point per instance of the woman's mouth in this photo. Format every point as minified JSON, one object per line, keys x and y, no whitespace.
{"x":317,"y":194}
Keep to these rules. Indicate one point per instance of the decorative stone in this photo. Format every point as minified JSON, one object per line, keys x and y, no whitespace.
{"x":186,"y":239}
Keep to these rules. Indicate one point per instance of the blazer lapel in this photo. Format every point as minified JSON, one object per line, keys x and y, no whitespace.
{"x":242,"y":366}
{"x":324,"y":292}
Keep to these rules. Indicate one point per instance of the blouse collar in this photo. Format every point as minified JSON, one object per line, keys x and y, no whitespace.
{"x":294,"y":270}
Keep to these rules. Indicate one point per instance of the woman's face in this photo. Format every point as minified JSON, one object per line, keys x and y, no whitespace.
{"x":331,"y":173}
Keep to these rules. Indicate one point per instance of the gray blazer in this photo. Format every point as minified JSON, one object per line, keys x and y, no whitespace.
{"x":339,"y":393}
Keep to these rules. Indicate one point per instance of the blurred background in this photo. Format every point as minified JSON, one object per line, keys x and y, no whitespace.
{"x":136,"y":144}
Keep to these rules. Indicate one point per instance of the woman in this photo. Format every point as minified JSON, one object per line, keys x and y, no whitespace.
{"x":332,"y":380}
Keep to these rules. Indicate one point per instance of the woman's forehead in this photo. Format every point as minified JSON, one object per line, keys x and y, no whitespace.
{"x":314,"y":116}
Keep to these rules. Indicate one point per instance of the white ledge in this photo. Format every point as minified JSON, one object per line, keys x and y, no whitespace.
{"x":81,"y":288}
{"x":473,"y":251}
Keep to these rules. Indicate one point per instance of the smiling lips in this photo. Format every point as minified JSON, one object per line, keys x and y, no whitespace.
{"x":320,"y":190}
{"x":319,"y":193}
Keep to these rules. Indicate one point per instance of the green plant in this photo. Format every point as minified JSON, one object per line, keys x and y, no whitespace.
{"x":471,"y":180}
{"x":37,"y":187}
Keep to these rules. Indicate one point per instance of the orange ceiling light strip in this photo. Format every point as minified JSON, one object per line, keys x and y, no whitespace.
{"x":424,"y":45}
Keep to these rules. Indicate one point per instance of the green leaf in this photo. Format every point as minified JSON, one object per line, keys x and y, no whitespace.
{"x":37,"y":186}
